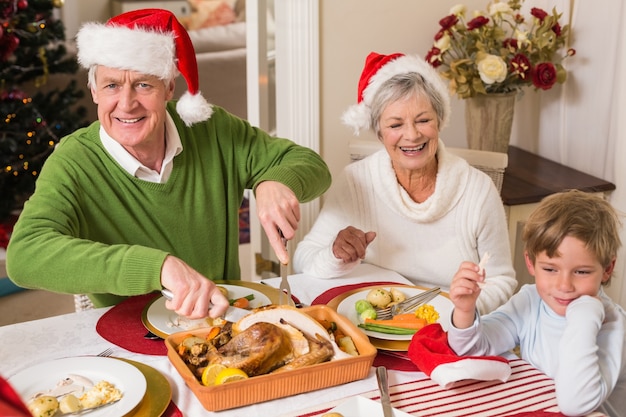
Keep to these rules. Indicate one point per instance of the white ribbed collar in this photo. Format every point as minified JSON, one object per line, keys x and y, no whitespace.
{"x":173,"y":147}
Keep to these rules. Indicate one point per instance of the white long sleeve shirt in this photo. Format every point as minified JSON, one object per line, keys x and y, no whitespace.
{"x":584,"y":352}
{"x":425,"y":242}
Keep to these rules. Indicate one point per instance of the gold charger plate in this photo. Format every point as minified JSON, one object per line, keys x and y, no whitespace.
{"x":158,"y":392}
{"x":397,"y":345}
{"x":271,"y":293}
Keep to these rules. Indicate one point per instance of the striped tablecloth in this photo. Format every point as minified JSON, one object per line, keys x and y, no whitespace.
{"x":527,"y":392}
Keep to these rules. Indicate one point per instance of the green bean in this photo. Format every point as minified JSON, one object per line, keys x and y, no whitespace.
{"x":380,"y":328}
{"x":249,"y":297}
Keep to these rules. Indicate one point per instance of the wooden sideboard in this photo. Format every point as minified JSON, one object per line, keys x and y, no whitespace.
{"x":527,"y":180}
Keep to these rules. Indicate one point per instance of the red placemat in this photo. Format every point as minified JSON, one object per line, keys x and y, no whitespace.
{"x":172,"y":411}
{"x":122,"y":326}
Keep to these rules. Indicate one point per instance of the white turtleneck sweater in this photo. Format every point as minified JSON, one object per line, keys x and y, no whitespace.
{"x":425,"y":242}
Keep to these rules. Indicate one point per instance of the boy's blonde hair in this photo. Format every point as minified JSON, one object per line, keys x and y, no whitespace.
{"x":585,"y":216}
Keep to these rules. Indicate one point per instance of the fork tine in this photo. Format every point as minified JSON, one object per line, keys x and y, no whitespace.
{"x":106,"y":352}
{"x":417,"y":302}
{"x":409,"y":303}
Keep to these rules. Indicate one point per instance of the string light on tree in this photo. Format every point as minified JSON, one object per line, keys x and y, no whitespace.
{"x":33,"y":115}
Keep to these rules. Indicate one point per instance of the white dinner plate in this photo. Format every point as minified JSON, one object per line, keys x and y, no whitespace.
{"x":360,"y":406}
{"x":125,"y":377}
{"x":163,"y":322}
{"x":346,"y":308}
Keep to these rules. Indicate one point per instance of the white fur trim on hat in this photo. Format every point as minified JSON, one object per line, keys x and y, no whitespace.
{"x":481,"y":369}
{"x":358,"y":116}
{"x":193,"y":108}
{"x":147,"y":52}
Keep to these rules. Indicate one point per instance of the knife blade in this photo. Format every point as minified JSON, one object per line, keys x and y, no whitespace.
{"x":383,"y":386}
{"x":232,"y":314}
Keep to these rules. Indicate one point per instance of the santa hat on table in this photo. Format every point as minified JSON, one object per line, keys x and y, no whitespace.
{"x":149,"y":41}
{"x":379,"y":69}
{"x":429,"y":350}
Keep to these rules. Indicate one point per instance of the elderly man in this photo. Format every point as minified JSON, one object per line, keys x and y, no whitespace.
{"x":147,"y":197}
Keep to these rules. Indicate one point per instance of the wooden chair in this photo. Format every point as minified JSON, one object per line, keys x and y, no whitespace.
{"x":82,"y":302}
{"x":491,"y":163}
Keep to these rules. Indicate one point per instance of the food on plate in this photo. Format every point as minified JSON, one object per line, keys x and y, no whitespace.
{"x":370,"y":313}
{"x":242,"y":302}
{"x":400,"y":324}
{"x":70,"y":404}
{"x":100,"y":394}
{"x":397,"y":296}
{"x":428,"y":313}
{"x":379,"y":297}
{"x":362,"y":305}
{"x":271,"y":339}
{"x":333,"y":414}
{"x":185,"y":323}
{"x":43,"y":406}
{"x":76,"y":394}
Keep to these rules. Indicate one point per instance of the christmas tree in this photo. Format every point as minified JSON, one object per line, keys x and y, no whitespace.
{"x":32,"y":118}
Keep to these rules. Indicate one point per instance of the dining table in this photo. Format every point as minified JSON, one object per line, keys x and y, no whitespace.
{"x":85,"y":334}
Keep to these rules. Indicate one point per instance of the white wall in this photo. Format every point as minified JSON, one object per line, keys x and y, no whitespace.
{"x":75,"y":12}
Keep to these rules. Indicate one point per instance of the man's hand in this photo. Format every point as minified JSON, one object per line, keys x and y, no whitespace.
{"x":195,"y":296}
{"x":351,"y":243}
{"x":278,"y":208}
{"x":464,"y":292}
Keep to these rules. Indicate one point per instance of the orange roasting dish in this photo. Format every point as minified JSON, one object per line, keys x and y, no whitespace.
{"x":292,"y":350}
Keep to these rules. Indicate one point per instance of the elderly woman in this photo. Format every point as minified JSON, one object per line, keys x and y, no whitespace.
{"x":413,"y":207}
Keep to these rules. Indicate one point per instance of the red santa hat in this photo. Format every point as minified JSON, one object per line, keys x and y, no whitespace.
{"x":149,"y":41}
{"x":429,"y":350}
{"x":380,"y":68}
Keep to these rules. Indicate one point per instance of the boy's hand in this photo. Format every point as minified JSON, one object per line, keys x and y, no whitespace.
{"x":464,"y":291}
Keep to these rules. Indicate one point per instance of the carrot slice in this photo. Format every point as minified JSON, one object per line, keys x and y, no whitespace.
{"x":416,"y":324}
{"x":406,"y":317}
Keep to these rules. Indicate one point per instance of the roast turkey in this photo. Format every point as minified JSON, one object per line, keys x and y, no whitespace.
{"x":269,"y":339}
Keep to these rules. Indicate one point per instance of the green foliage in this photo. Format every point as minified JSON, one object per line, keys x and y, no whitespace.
{"x":33,"y":118}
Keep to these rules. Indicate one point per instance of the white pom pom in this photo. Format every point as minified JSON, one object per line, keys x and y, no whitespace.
{"x":357,"y":117}
{"x":193,"y":108}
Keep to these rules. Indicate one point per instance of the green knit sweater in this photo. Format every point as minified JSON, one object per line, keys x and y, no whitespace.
{"x":90,"y":227}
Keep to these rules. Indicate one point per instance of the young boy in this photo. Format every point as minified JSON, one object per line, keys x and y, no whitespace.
{"x":564,"y":324}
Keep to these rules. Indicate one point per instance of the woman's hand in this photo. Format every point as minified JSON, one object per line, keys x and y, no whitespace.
{"x":351,"y":243}
{"x":464,"y":291}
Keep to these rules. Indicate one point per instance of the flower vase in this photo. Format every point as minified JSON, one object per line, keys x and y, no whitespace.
{"x":488,"y":121}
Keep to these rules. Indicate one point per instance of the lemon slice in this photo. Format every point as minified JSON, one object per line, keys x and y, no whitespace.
{"x":230,"y":375}
{"x":210,"y":373}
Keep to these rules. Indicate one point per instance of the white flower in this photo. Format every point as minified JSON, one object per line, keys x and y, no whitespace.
{"x":458,"y":10}
{"x":500,"y":8}
{"x":443,"y":43}
{"x":522,"y":37}
{"x":492,"y":69}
